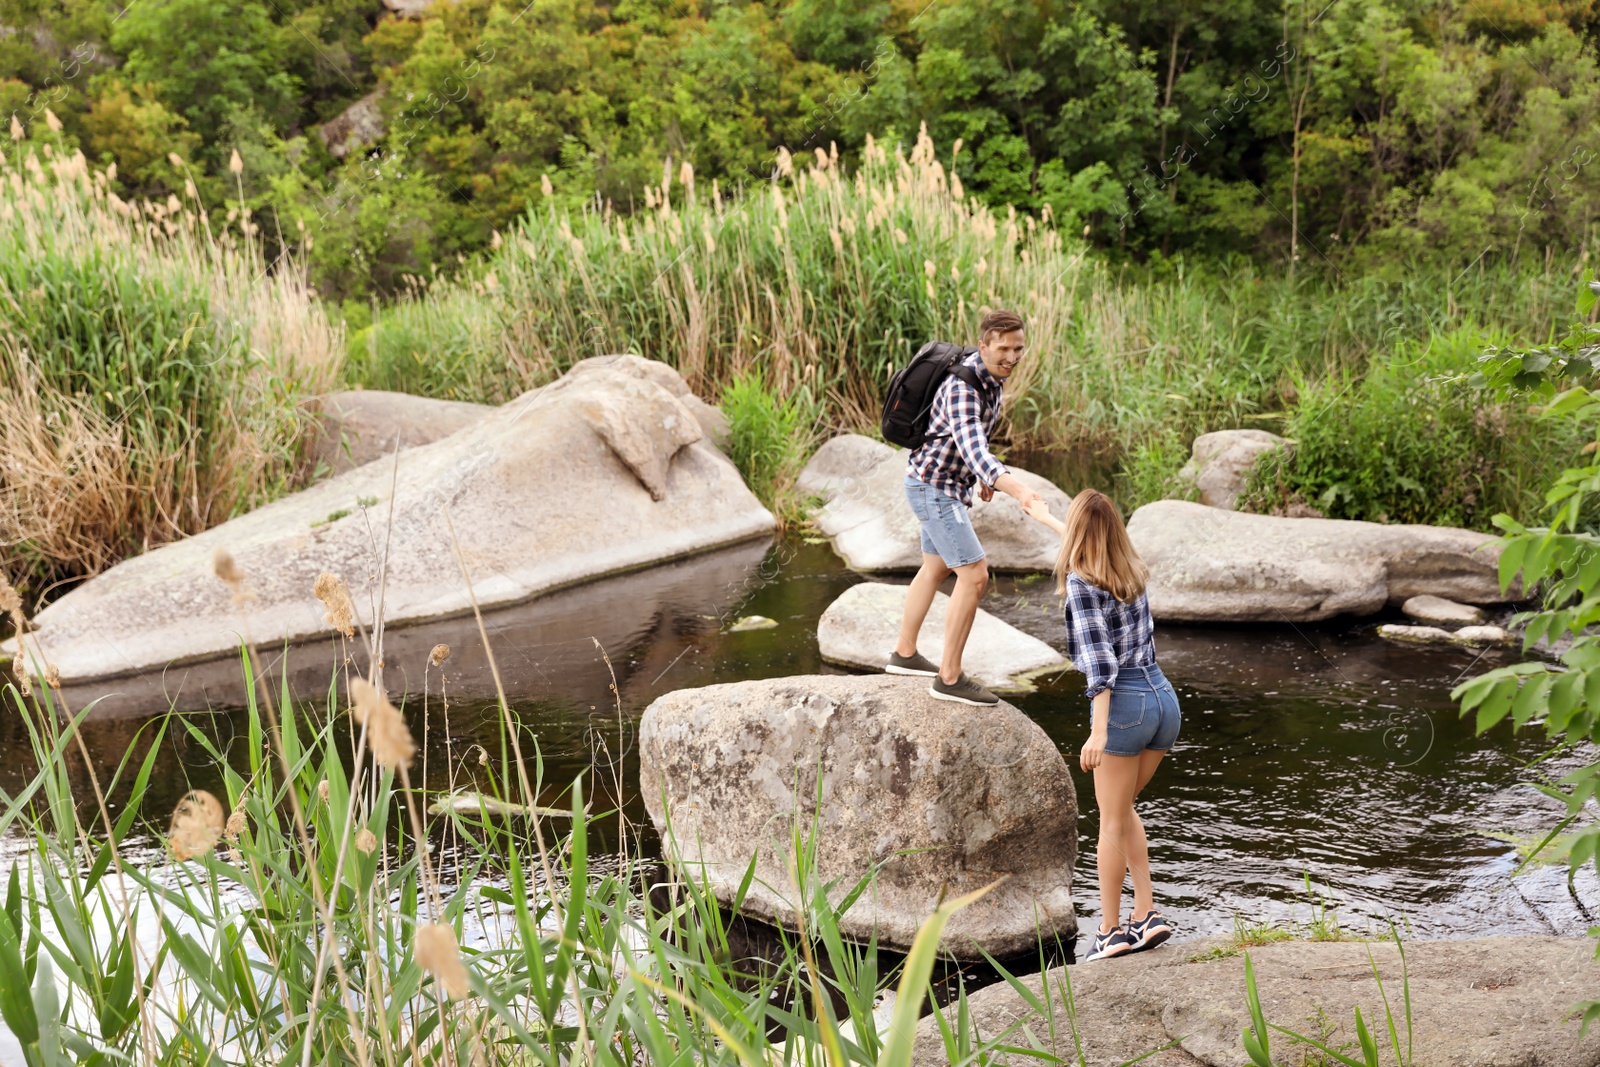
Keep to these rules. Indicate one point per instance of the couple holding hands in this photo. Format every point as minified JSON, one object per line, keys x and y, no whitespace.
{"x":1134,"y":714}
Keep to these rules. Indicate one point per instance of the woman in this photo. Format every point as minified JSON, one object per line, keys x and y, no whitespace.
{"x":1134,"y":716}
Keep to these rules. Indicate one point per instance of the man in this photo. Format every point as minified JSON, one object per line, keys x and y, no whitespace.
{"x":939,"y":482}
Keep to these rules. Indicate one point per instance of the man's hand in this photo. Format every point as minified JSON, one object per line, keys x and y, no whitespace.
{"x":985,"y":492}
{"x":1011,"y":485}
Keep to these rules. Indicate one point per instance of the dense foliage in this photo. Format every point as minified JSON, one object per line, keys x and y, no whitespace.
{"x":1406,"y":442}
{"x":1560,"y":561}
{"x":1348,"y":136}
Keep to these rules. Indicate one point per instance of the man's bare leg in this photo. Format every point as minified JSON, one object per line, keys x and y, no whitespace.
{"x":919,"y":598}
{"x":971,"y":581}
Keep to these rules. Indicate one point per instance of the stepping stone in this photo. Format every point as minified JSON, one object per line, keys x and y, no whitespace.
{"x":1433,"y":635}
{"x":860,"y":628}
{"x":1427,"y":608}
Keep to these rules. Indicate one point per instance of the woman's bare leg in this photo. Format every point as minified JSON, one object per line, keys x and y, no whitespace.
{"x":1138,"y":843}
{"x":1116,"y":781}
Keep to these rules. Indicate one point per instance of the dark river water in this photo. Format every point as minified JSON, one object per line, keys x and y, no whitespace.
{"x":1312,"y":751}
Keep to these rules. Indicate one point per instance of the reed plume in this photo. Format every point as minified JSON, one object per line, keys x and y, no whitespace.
{"x":196,"y":825}
{"x":438,"y":954}
{"x":387,"y":733}
{"x":330,"y":589}
{"x":439,"y":654}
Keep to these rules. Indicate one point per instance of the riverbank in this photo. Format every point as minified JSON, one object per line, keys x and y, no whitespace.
{"x":1127,"y":365}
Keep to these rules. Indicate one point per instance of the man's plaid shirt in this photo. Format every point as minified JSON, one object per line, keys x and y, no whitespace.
{"x":956,"y":452}
{"x":1104,"y":634}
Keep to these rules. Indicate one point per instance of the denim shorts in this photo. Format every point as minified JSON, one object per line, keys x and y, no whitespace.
{"x":946,"y":526}
{"x":1144,"y":712}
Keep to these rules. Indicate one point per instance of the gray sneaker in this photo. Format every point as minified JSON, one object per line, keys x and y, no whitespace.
{"x":965,"y":691}
{"x":915,"y":663}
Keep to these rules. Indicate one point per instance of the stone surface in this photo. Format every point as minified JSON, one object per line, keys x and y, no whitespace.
{"x":947,"y":799}
{"x":1433,"y":635}
{"x":1438,"y":609}
{"x":355,"y":127}
{"x":860,"y":629}
{"x":356,"y":427}
{"x":598,"y":473}
{"x":1211,"y":565}
{"x":1219,"y":463}
{"x":1480,"y":1002}
{"x":865,"y":514}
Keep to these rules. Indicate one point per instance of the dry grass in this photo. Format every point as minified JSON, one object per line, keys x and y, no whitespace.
{"x":151,"y":372}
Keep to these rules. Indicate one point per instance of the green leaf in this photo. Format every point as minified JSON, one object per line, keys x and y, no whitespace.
{"x":16,"y":1006}
{"x":914,"y":980}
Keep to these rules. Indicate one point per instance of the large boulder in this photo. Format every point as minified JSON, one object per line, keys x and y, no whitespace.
{"x":356,"y":427}
{"x":1211,"y":565}
{"x":1220,"y":463}
{"x":860,"y":629}
{"x":1479,"y":1002}
{"x":940,"y":800}
{"x":600,"y":472}
{"x":865,"y":514}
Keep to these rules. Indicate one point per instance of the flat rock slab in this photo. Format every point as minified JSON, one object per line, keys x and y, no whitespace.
{"x":1480,"y":1002}
{"x":865,"y":514}
{"x":1211,"y":565}
{"x":601,"y":472}
{"x":860,"y":629}
{"x":356,"y":427}
{"x":942,"y":798}
{"x":1438,"y":609}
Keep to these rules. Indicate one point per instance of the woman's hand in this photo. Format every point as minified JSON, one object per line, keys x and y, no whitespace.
{"x":1038,"y":509}
{"x":1093,"y":750}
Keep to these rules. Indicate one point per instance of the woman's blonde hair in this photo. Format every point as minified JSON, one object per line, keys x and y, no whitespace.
{"x":1095,"y":547}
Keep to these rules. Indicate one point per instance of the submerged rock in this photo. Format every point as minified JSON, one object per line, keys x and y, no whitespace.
{"x":1433,"y":635}
{"x":600,"y":472}
{"x":1438,"y":609}
{"x":1211,"y":565}
{"x":356,"y":427}
{"x":1220,"y":463}
{"x":946,"y":799}
{"x":860,"y":629}
{"x":1477,"y":1002}
{"x":752,"y":622}
{"x":865,"y":514}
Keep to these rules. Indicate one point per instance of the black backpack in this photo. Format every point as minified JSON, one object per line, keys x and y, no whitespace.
{"x":909,"y":405}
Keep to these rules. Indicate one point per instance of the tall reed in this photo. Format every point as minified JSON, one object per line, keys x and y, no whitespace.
{"x":151,"y":370}
{"x":315,"y":925}
{"x":831,"y":280}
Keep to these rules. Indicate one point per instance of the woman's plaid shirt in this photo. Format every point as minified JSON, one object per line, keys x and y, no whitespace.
{"x":1104,"y":634}
{"x":956,"y":452}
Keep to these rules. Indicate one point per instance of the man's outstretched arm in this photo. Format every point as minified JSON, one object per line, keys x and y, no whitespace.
{"x":966,"y":420}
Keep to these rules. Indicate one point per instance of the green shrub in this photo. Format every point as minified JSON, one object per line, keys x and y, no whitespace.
{"x":769,"y":439}
{"x":1411,"y":441}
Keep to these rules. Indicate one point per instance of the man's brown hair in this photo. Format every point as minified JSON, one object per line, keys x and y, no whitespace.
{"x":1000,"y":321}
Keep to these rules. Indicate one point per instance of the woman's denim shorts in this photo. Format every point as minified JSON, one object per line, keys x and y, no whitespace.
{"x":1144,"y":712}
{"x":946,"y":526}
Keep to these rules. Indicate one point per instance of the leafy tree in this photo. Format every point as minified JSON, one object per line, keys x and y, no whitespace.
{"x":209,"y":60}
